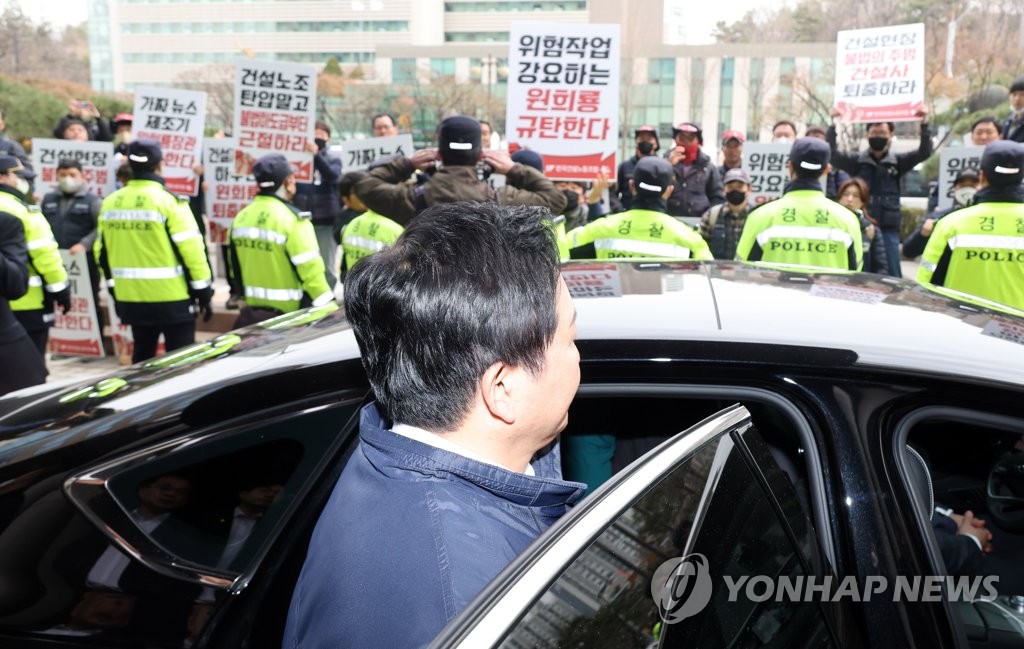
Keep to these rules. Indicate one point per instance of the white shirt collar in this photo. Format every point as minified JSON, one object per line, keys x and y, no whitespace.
{"x":437,"y":441}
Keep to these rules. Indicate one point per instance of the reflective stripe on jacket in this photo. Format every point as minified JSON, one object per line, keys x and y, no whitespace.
{"x":46,"y":268}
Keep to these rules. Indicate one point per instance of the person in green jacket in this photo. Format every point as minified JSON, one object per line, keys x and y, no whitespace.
{"x":47,"y":277}
{"x":152,"y":256}
{"x":274,"y":248}
{"x":365,"y":234}
{"x":646,"y":230}
{"x":803,"y":230}
{"x":979,"y":250}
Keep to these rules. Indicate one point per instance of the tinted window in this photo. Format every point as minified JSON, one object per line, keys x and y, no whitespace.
{"x":712,"y":504}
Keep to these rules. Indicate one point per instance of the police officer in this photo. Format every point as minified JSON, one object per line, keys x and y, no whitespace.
{"x":48,"y":280}
{"x":72,"y":212}
{"x":803,"y":229}
{"x":979,"y":249}
{"x":274,"y":248}
{"x":152,"y":254}
{"x":646,"y":230}
{"x":365,"y":234}
{"x":23,"y":367}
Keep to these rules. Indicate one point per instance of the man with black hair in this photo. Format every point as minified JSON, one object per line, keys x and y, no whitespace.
{"x":985,"y":130}
{"x":274,"y":249}
{"x":647,"y":143}
{"x":386,"y":192}
{"x":320,"y":198}
{"x":979,"y":250}
{"x":646,"y":230}
{"x":470,"y":353}
{"x":803,"y":229}
{"x":384,"y":125}
{"x":48,"y":279}
{"x":882,"y":169}
{"x":784,"y":131}
{"x":152,"y":255}
{"x":698,"y":184}
{"x":1013,"y":126}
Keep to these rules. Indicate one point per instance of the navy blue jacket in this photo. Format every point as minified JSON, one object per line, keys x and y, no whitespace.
{"x":882,"y":174}
{"x":320,"y":197}
{"x":410,"y":535}
{"x":1013,"y":131}
{"x":697,"y":187}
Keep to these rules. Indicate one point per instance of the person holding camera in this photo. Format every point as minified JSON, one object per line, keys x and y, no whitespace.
{"x":385,"y":190}
{"x":83,"y":122}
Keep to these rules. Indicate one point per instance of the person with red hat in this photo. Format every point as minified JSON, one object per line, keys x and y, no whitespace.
{"x":698,"y":185}
{"x":121,"y":127}
{"x":732,"y":151}
{"x":646,"y":144}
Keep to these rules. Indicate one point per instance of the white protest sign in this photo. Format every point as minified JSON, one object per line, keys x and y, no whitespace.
{"x":563,"y":96}
{"x":96,"y":158}
{"x":77,"y":332}
{"x":230,"y":185}
{"x":953,"y":160}
{"x":766,"y":164}
{"x":358,"y":155}
{"x":275,"y":112}
{"x":880,"y":73}
{"x":175,"y":119}
{"x":593,"y":280}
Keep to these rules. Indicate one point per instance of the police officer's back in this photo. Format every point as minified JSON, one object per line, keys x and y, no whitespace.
{"x":48,"y":280}
{"x":23,"y":366}
{"x":274,"y":248}
{"x":803,"y":229}
{"x":979,"y":250}
{"x":366,"y":234}
{"x":153,"y":257}
{"x":646,"y":230}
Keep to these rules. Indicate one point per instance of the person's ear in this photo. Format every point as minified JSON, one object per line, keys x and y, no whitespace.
{"x":497,"y":388}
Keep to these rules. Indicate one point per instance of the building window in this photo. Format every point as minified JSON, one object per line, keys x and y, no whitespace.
{"x":661,"y":71}
{"x":403,"y":70}
{"x":442,"y":68}
{"x":725,"y":94}
{"x":696,"y":89}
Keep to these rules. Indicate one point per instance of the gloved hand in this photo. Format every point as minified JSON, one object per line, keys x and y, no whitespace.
{"x":62,"y":298}
{"x":204,"y":299}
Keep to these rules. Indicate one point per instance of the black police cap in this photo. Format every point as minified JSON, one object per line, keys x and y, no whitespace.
{"x":271,"y":170}
{"x":144,"y":154}
{"x":810,"y":156}
{"x":9,"y":163}
{"x":652,"y":174}
{"x":1003,"y":162}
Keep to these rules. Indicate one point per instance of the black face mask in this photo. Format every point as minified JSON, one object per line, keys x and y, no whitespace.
{"x":878,"y":143}
{"x":572,"y":200}
{"x":645,"y":148}
{"x":320,"y":143}
{"x":735,"y":197}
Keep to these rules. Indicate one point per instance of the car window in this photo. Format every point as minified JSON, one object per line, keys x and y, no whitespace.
{"x":209,"y":503}
{"x":715,"y":505}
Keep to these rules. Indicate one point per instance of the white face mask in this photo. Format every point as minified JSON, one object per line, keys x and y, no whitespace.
{"x":22,"y":186}
{"x":964,"y":195}
{"x":781,"y":140}
{"x":70,"y":185}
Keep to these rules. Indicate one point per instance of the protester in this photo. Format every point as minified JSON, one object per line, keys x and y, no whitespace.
{"x":320,"y":198}
{"x":854,"y":194}
{"x":722,"y":224}
{"x":697,"y":184}
{"x":732,"y":151}
{"x":384,"y":125}
{"x":784,"y":131}
{"x":83,"y":113}
{"x":647,"y":143}
{"x":12,"y":147}
{"x":1013,"y":126}
{"x":965,"y":186}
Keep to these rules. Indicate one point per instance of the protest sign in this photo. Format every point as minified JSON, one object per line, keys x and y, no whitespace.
{"x":230,"y":185}
{"x":175,"y":119}
{"x":766,"y":164}
{"x":880,"y":73}
{"x":358,"y":155}
{"x":953,"y":160}
{"x":78,"y":331}
{"x":275,"y":112}
{"x":96,"y":158}
{"x":563,"y":96}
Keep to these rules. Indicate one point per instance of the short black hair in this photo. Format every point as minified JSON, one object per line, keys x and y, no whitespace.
{"x":987,"y":119}
{"x":465,"y":286}
{"x":379,"y":115}
{"x":69,"y":163}
{"x":348,"y":182}
{"x":785,"y":122}
{"x":891,"y":125}
{"x":322,"y":126}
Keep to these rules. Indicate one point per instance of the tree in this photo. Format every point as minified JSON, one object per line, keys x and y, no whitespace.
{"x":332,"y":67}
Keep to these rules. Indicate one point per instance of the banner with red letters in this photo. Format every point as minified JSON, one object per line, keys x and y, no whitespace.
{"x":880,"y":73}
{"x":563,"y":96}
{"x":96,"y":158}
{"x":275,"y":112}
{"x":230,"y":185}
{"x":78,"y":331}
{"x":175,"y":119}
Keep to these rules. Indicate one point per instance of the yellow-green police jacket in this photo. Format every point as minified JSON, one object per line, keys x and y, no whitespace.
{"x":803,"y":229}
{"x":979,"y":250}
{"x":277,"y":256}
{"x":151,"y":252}
{"x":637,"y":233}
{"x":366,"y":234}
{"x":45,"y":268}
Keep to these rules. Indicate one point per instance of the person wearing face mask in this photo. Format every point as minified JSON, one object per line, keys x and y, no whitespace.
{"x":646,"y":144}
{"x":722,"y":225}
{"x":48,"y":279}
{"x":882,"y":169}
{"x":783,"y":132}
{"x":274,"y":249}
{"x":320,"y":198}
{"x":965,"y":186}
{"x":697,"y":183}
{"x":152,"y":256}
{"x":72,"y":211}
{"x":1013,"y":127}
